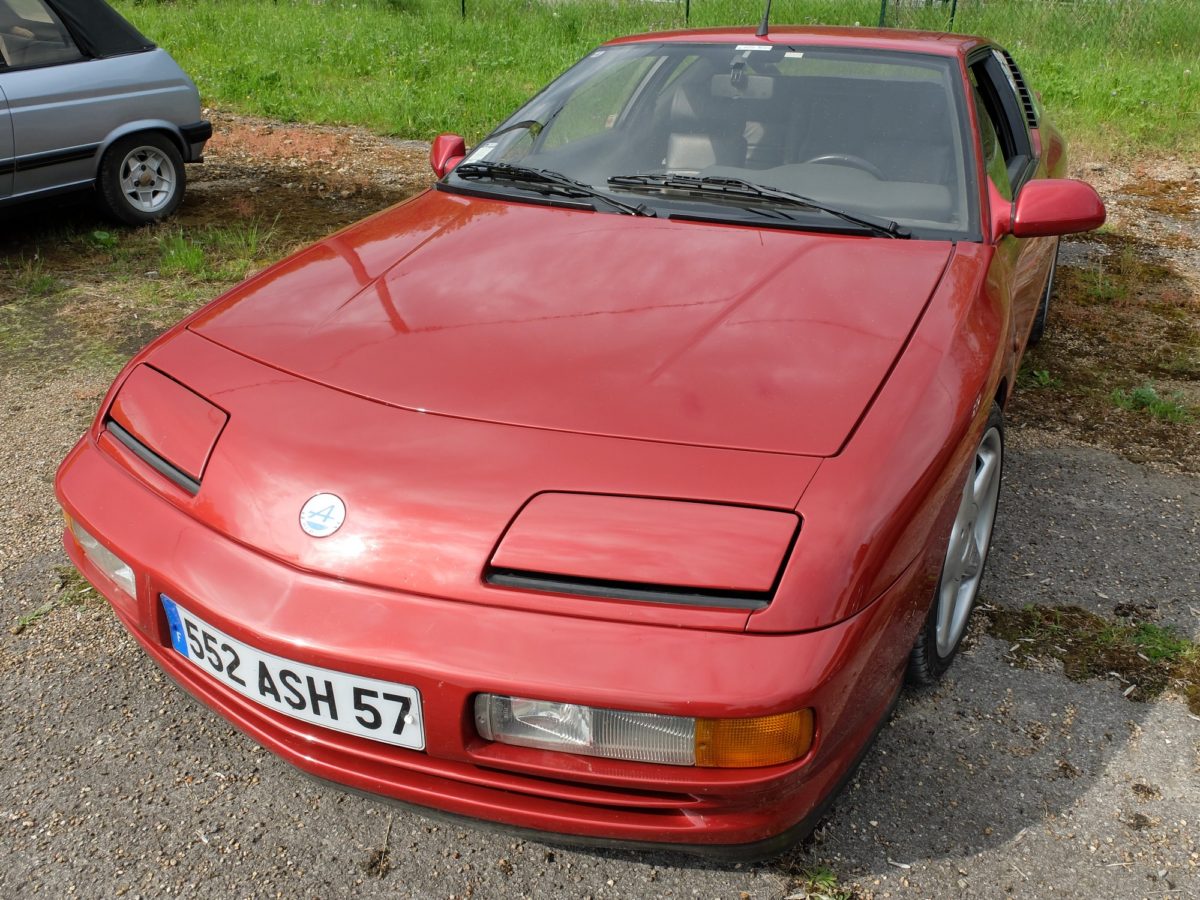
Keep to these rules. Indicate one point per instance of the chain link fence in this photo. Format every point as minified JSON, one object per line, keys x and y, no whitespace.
{"x":1166,"y":26}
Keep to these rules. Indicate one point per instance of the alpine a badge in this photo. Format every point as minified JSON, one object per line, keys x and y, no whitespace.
{"x":322,"y":515}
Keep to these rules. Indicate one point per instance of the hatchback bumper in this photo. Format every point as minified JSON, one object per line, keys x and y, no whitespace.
{"x":195,"y":136}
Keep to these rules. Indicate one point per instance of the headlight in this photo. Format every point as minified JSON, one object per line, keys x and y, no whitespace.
{"x":644,"y":737}
{"x":104,"y":559}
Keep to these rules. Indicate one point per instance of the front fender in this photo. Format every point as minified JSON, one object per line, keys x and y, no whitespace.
{"x":888,"y":499}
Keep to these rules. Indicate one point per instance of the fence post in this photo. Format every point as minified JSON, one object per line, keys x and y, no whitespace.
{"x":463,"y":8}
{"x":687,"y":12}
{"x":882,"y":13}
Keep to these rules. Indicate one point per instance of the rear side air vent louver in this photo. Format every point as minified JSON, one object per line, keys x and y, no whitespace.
{"x":1023,"y":92}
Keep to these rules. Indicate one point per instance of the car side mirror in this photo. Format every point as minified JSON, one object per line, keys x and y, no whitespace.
{"x":1052,"y":206}
{"x":447,"y":152}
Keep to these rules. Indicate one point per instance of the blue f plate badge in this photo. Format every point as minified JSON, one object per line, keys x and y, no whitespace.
{"x":322,"y":515}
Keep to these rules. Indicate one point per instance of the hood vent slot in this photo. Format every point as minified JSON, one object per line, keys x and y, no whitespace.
{"x":162,"y":466}
{"x":627,"y":590}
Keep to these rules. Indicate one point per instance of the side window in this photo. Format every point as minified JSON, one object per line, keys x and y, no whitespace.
{"x":993,"y":156}
{"x":31,"y":35}
{"x":996,"y":99}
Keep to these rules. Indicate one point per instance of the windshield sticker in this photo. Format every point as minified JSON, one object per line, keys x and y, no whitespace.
{"x":753,"y":47}
{"x":481,"y":151}
{"x":793,"y":54}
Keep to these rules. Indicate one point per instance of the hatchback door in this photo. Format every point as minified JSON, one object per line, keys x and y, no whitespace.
{"x":46,"y":81}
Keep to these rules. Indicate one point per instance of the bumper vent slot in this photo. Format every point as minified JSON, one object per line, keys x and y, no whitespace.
{"x":627,"y":590}
{"x":162,"y":466}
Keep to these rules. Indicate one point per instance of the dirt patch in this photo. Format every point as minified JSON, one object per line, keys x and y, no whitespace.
{"x":1167,"y":196}
{"x":316,"y":177}
{"x":78,"y":291}
{"x":1144,"y":658}
{"x":1120,"y":365}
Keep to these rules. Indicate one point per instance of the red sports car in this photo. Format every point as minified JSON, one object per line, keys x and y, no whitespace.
{"x":611,"y":487}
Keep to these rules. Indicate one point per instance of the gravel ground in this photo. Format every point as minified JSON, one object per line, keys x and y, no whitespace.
{"x":1002,"y":782}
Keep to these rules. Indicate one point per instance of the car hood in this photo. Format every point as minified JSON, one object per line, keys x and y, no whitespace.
{"x":516,"y":313}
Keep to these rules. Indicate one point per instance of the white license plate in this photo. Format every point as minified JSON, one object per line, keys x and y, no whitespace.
{"x":366,"y":707}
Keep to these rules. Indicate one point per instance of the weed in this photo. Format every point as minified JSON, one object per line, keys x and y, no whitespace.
{"x":819,"y":883}
{"x":73,"y":590}
{"x":1039,"y":378}
{"x":104,"y":240}
{"x":32,"y":279}
{"x":1146,"y":397}
{"x":1175,"y":362}
{"x":244,"y":240}
{"x":180,"y":255}
{"x":1100,"y":287}
{"x":242,"y":244}
{"x":1148,"y":659}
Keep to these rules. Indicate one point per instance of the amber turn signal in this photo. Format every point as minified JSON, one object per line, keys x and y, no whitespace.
{"x":760,"y":741}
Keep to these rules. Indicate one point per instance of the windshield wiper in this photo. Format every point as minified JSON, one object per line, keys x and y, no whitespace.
{"x":556,"y":181}
{"x":738,"y":189}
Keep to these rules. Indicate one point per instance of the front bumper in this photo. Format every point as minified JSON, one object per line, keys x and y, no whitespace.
{"x":452,"y":650}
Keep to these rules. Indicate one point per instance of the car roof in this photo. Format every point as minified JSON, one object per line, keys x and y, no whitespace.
{"x":928,"y":42}
{"x":99,"y":29}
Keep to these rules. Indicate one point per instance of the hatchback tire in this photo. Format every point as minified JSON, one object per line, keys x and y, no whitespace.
{"x":141,"y":178}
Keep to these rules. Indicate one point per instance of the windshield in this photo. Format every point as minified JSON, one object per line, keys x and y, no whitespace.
{"x":873,"y":134}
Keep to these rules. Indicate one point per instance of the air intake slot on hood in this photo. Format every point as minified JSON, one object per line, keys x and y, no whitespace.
{"x":152,"y":459}
{"x":627,"y":590}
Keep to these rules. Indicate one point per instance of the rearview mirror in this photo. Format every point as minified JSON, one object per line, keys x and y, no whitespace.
{"x":447,"y":152}
{"x":1053,"y":206}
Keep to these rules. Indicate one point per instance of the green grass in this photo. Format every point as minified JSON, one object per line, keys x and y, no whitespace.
{"x":1121,"y":75}
{"x":1160,"y":643}
{"x":180,"y":255}
{"x":1146,"y":397}
{"x":89,"y":297}
{"x":214,"y":253}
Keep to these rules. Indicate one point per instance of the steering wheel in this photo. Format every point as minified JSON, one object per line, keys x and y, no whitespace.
{"x":847,"y":159}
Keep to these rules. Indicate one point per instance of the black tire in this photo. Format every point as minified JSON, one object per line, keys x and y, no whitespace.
{"x":1039,"y":321}
{"x":929,"y":661}
{"x":149,"y":160}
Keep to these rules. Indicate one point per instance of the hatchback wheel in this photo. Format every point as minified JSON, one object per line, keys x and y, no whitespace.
{"x":966,"y":554}
{"x":141,"y":179}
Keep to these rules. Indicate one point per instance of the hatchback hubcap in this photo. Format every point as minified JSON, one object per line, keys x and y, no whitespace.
{"x":147,"y":178}
{"x":969,"y":540}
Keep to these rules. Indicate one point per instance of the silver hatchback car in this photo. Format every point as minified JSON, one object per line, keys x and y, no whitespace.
{"x":86,"y":100}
